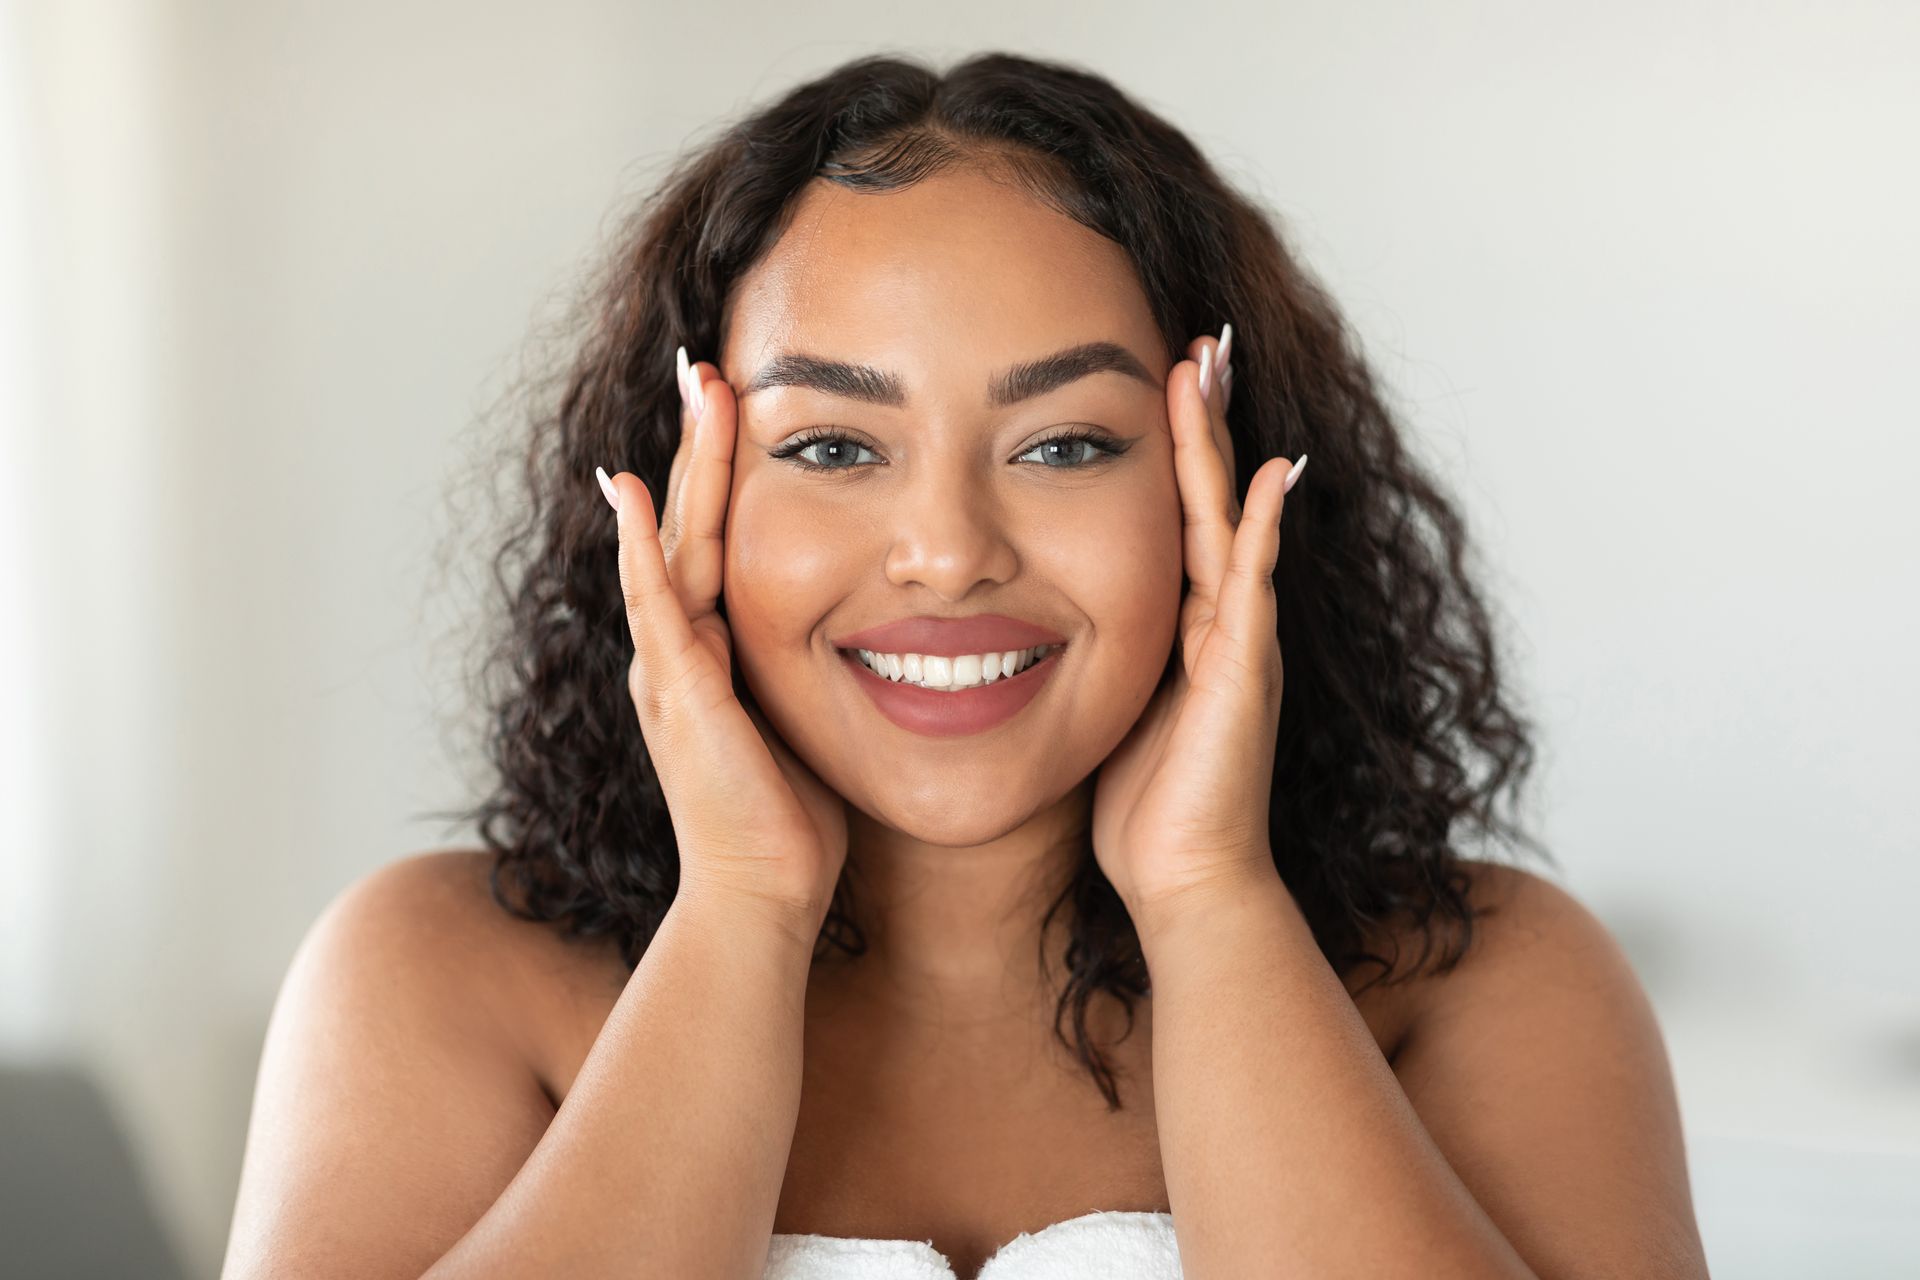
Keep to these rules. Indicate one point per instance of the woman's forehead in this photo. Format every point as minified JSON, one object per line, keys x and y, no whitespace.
{"x":956,"y":260}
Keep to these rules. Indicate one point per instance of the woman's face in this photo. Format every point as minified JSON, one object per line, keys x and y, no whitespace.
{"x":949,"y":500}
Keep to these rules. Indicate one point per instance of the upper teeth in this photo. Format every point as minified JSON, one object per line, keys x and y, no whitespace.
{"x":932,"y":671}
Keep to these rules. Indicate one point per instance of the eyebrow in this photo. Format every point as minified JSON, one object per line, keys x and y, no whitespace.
{"x":883,"y":387}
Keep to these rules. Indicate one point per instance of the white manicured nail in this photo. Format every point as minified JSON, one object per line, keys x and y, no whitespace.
{"x":1294,"y":474}
{"x":696,"y":391}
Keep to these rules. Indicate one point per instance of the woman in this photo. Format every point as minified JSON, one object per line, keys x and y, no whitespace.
{"x":956,"y":586}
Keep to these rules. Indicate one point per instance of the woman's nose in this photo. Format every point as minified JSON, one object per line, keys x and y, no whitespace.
{"x":949,"y":537}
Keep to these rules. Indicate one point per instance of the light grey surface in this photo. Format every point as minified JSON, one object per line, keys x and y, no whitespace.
{"x":1783,"y":1211}
{"x":1640,"y":276}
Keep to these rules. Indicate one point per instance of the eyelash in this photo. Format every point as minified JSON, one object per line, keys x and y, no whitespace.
{"x":1108,"y":446}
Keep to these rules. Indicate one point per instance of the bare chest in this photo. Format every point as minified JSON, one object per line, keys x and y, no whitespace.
{"x":965,"y":1136}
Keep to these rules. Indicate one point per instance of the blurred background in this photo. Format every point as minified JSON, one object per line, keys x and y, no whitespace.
{"x":1642,"y":278}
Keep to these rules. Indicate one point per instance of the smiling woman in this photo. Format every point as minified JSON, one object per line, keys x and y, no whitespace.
{"x":980,"y":685}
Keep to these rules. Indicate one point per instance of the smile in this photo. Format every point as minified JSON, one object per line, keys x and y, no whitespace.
{"x":951,"y":674}
{"x":949,"y":695}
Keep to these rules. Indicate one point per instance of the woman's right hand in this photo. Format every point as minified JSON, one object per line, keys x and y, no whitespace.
{"x":751,"y":819}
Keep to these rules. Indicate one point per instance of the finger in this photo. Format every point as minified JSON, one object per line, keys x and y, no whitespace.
{"x":1208,"y":506}
{"x":1222,"y":372}
{"x":695,"y":544}
{"x":1246,"y":611}
{"x":662,"y":636}
{"x":683,"y":448}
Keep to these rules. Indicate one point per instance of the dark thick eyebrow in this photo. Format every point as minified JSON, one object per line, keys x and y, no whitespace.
{"x":883,"y":387}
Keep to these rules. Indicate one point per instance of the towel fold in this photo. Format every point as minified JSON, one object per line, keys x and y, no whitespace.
{"x":1103,"y":1245}
{"x":811,"y":1257}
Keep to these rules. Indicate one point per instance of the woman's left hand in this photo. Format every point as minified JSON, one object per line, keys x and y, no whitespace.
{"x":1183,"y":800}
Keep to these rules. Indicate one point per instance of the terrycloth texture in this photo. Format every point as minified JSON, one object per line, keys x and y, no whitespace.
{"x":1104,"y":1245}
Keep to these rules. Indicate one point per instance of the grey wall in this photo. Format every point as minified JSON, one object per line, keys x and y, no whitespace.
{"x":1641,"y":277}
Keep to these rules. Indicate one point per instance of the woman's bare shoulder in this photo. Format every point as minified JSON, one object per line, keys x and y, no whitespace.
{"x":1582,"y":1161}
{"x":437,"y":909}
{"x":1528,"y":932}
{"x":396,"y":1094}
{"x":455,"y":889}
{"x":1508,"y":904}
{"x":1511,"y":908}
{"x":1515,"y":909}
{"x":533,"y":976}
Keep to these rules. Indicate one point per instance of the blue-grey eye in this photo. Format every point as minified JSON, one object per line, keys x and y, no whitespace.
{"x":1072,"y":450}
{"x":833,"y":451}
{"x":1075,"y":450}
{"x":832,"y":448}
{"x":1063,"y":451}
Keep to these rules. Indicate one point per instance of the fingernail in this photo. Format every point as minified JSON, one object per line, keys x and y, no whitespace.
{"x":690,"y":389}
{"x":699,"y":393}
{"x":1206,"y":371}
{"x":606,"y":487}
{"x":1226,"y":386}
{"x":1226,"y":345}
{"x":1294,"y":474}
{"x":680,"y":372}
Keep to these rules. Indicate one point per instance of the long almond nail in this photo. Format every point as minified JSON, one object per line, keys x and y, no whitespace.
{"x":1206,"y":371}
{"x":1226,"y":345}
{"x":1294,"y":474}
{"x":690,"y":388}
{"x":606,"y":487}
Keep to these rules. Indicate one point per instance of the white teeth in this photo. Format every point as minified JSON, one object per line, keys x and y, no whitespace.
{"x":933,"y":671}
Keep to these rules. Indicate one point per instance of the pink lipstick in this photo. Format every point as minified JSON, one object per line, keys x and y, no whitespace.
{"x":946,"y":713}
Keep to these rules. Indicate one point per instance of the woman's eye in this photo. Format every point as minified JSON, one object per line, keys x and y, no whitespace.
{"x":829,"y":452}
{"x":1074,"y":450}
{"x":1069,"y":451}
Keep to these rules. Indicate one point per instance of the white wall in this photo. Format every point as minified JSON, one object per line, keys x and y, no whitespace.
{"x":1641,"y":275}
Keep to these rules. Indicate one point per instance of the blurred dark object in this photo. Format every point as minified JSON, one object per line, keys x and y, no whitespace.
{"x":72,"y":1202}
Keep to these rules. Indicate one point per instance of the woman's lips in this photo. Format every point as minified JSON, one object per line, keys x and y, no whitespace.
{"x":975,"y":633}
{"x":939,"y":713}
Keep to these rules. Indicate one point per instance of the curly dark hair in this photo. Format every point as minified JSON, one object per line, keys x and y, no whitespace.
{"x":1395,"y":726}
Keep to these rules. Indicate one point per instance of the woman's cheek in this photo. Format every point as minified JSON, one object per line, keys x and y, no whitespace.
{"x":1128,"y":547}
{"x":1129,"y":587}
{"x":1145,"y":611}
{"x":784,"y":573}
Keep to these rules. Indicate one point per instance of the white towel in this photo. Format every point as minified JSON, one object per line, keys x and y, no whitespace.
{"x":1103,"y":1245}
